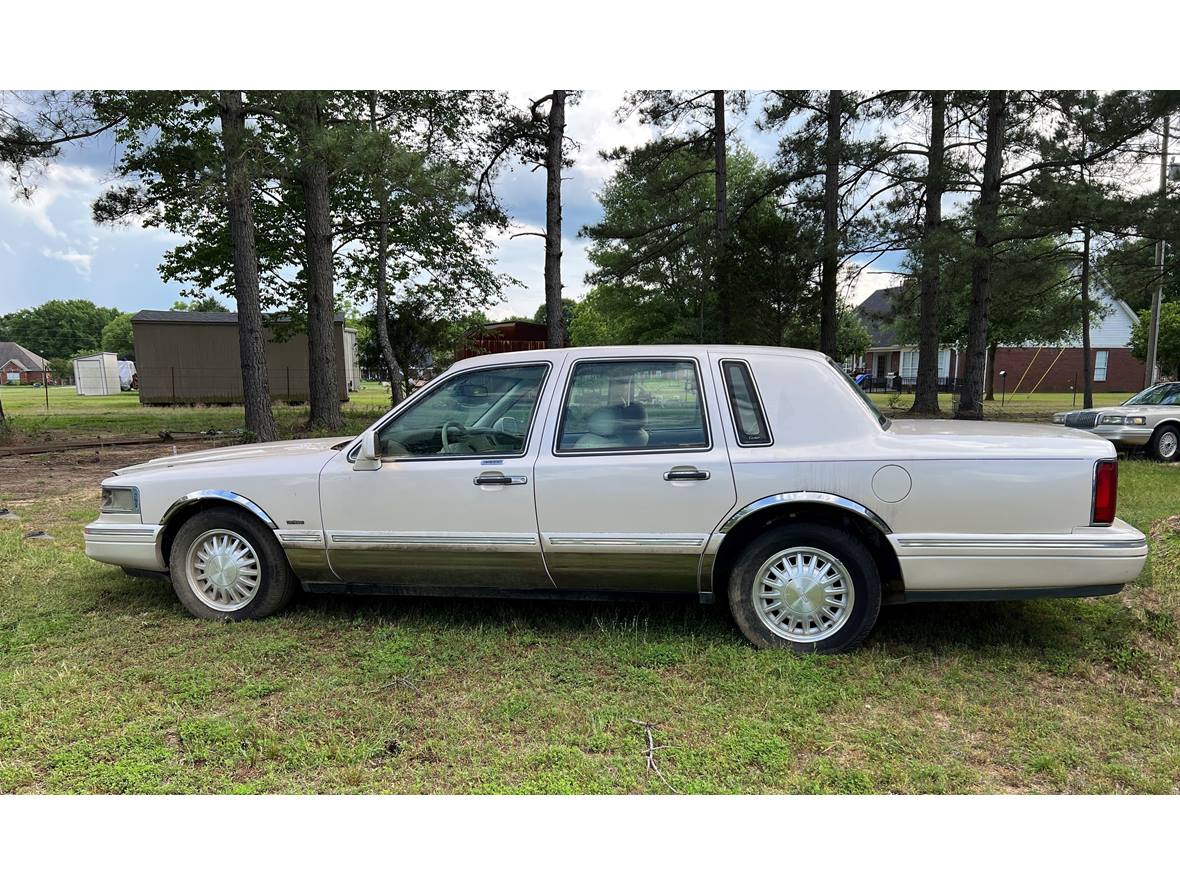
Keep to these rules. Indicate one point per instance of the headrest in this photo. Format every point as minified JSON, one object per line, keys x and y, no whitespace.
{"x":603,"y":422}
{"x":632,"y":417}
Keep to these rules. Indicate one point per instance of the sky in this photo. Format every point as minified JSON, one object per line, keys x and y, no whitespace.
{"x":50,"y":247}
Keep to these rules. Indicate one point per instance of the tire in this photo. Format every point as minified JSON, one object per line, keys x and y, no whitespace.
{"x":249,"y":576}
{"x":806,"y":621}
{"x":1164,"y":444}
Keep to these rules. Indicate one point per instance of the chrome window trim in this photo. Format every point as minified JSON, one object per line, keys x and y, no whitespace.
{"x":441,"y":379}
{"x":581,"y":453}
{"x":217,"y":495}
{"x":737,"y":434}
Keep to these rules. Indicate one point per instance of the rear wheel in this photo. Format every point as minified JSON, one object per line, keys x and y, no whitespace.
{"x":1164,"y":444}
{"x":809,"y":588}
{"x":226,"y":565}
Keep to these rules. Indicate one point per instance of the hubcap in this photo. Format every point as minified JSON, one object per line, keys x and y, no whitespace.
{"x":1168,"y":444}
{"x":223,"y":570}
{"x":803,"y":594}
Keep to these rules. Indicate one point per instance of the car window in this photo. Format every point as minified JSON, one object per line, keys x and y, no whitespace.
{"x":628,"y":405}
{"x":484,"y":412}
{"x":748,"y":418}
{"x":1160,"y":395}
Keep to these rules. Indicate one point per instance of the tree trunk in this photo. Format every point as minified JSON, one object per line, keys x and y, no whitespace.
{"x":926,"y":392}
{"x":554,"y":319}
{"x":260,"y":419}
{"x":323,"y":393}
{"x":989,"y":390}
{"x":721,"y":213}
{"x":831,"y":256}
{"x":971,"y":400}
{"x":381,"y":320}
{"x":1087,"y":372}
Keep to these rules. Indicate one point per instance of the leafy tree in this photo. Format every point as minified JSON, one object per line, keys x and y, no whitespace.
{"x":118,"y":337}
{"x":205,"y":304}
{"x":58,"y":328}
{"x":1168,"y":352}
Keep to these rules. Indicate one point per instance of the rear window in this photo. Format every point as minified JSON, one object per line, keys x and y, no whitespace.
{"x":749,"y":420}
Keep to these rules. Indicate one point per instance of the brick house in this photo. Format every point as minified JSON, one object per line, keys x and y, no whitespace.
{"x":19,"y":365}
{"x":1049,"y":368}
{"x":505,"y":337}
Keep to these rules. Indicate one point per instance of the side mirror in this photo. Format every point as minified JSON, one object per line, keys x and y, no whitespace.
{"x":368,"y":458}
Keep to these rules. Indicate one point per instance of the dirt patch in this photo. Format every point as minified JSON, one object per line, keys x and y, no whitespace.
{"x":35,"y":478}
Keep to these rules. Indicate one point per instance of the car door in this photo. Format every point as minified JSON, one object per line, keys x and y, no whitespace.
{"x":634,"y":474}
{"x":452,"y":502}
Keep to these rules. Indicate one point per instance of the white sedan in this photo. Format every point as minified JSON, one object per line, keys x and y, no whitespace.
{"x":760,"y":475}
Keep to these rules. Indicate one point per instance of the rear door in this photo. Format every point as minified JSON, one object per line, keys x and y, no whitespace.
{"x":633,"y":475}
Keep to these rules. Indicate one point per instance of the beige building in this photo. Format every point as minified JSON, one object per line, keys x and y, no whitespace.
{"x":193,"y":357}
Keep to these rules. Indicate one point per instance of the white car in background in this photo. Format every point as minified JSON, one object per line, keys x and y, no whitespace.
{"x":1149,"y":420}
{"x":760,"y":475}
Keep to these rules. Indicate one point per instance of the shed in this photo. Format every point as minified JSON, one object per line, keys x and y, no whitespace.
{"x":194,"y":357}
{"x":96,"y":374}
{"x":505,"y":337}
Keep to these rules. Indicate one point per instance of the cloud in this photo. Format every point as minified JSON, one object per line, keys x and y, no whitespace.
{"x":69,"y":187}
{"x":80,"y":261}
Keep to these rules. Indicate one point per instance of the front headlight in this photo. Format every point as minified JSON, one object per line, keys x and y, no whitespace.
{"x":119,"y":500}
{"x":1059,"y":419}
{"x":1136,"y":419}
{"x":1119,"y":419}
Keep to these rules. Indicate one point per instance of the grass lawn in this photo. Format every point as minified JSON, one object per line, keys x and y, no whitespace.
{"x":121,"y":414}
{"x":106,"y":685}
{"x":1022,"y":407}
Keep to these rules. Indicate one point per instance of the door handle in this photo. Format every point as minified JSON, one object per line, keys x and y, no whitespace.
{"x":494,"y":478}
{"x":680,"y":474}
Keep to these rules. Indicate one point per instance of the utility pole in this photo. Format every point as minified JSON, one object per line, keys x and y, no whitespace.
{"x":1153,"y":333}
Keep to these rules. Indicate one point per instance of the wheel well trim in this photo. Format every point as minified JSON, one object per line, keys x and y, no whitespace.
{"x":810,"y":498}
{"x":705,"y":580}
{"x":191,"y":498}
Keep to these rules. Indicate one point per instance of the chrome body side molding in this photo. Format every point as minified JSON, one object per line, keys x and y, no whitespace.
{"x":216,"y":495}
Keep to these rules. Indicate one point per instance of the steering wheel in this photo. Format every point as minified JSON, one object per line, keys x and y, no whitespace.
{"x":446,"y":439}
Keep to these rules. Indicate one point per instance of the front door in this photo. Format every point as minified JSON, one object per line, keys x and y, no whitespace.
{"x":633,"y":476}
{"x":452,"y":503}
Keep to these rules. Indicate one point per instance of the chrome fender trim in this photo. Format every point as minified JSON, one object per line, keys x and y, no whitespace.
{"x":705,"y":581}
{"x":810,"y":497}
{"x":216,"y":495}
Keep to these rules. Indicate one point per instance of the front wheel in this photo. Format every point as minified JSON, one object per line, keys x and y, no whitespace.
{"x":226,"y":565}
{"x":808,"y":588}
{"x":1164,"y":444}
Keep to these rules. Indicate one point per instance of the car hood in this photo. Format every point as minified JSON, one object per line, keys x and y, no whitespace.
{"x":284,"y":448}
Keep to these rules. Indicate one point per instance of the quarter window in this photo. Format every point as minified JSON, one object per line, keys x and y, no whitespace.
{"x":480,"y":413}
{"x":748,"y":418}
{"x":633,"y":405}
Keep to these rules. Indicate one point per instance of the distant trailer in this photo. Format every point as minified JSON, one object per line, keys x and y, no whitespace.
{"x":97,"y":374}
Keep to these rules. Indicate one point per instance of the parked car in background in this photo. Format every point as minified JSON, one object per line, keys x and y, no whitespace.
{"x":1149,"y":420}
{"x":762,"y":475}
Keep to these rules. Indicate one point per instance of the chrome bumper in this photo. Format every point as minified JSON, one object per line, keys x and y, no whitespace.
{"x":129,"y":545}
{"x":1088,"y":556}
{"x":1123,"y":434}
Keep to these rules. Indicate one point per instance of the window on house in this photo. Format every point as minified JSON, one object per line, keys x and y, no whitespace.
{"x":909,"y":364}
{"x":1101,"y":359}
{"x":944,"y":364}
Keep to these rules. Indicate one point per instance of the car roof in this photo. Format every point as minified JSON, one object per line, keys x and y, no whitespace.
{"x":638,"y":351}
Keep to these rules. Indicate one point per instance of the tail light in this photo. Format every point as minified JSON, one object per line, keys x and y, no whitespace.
{"x":1106,"y":492}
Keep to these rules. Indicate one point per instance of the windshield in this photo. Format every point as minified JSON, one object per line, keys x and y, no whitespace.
{"x":1160,"y":395}
{"x":881,"y":419}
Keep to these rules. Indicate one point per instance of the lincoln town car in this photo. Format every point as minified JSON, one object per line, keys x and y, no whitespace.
{"x":1149,"y":420}
{"x":758,"y":477}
